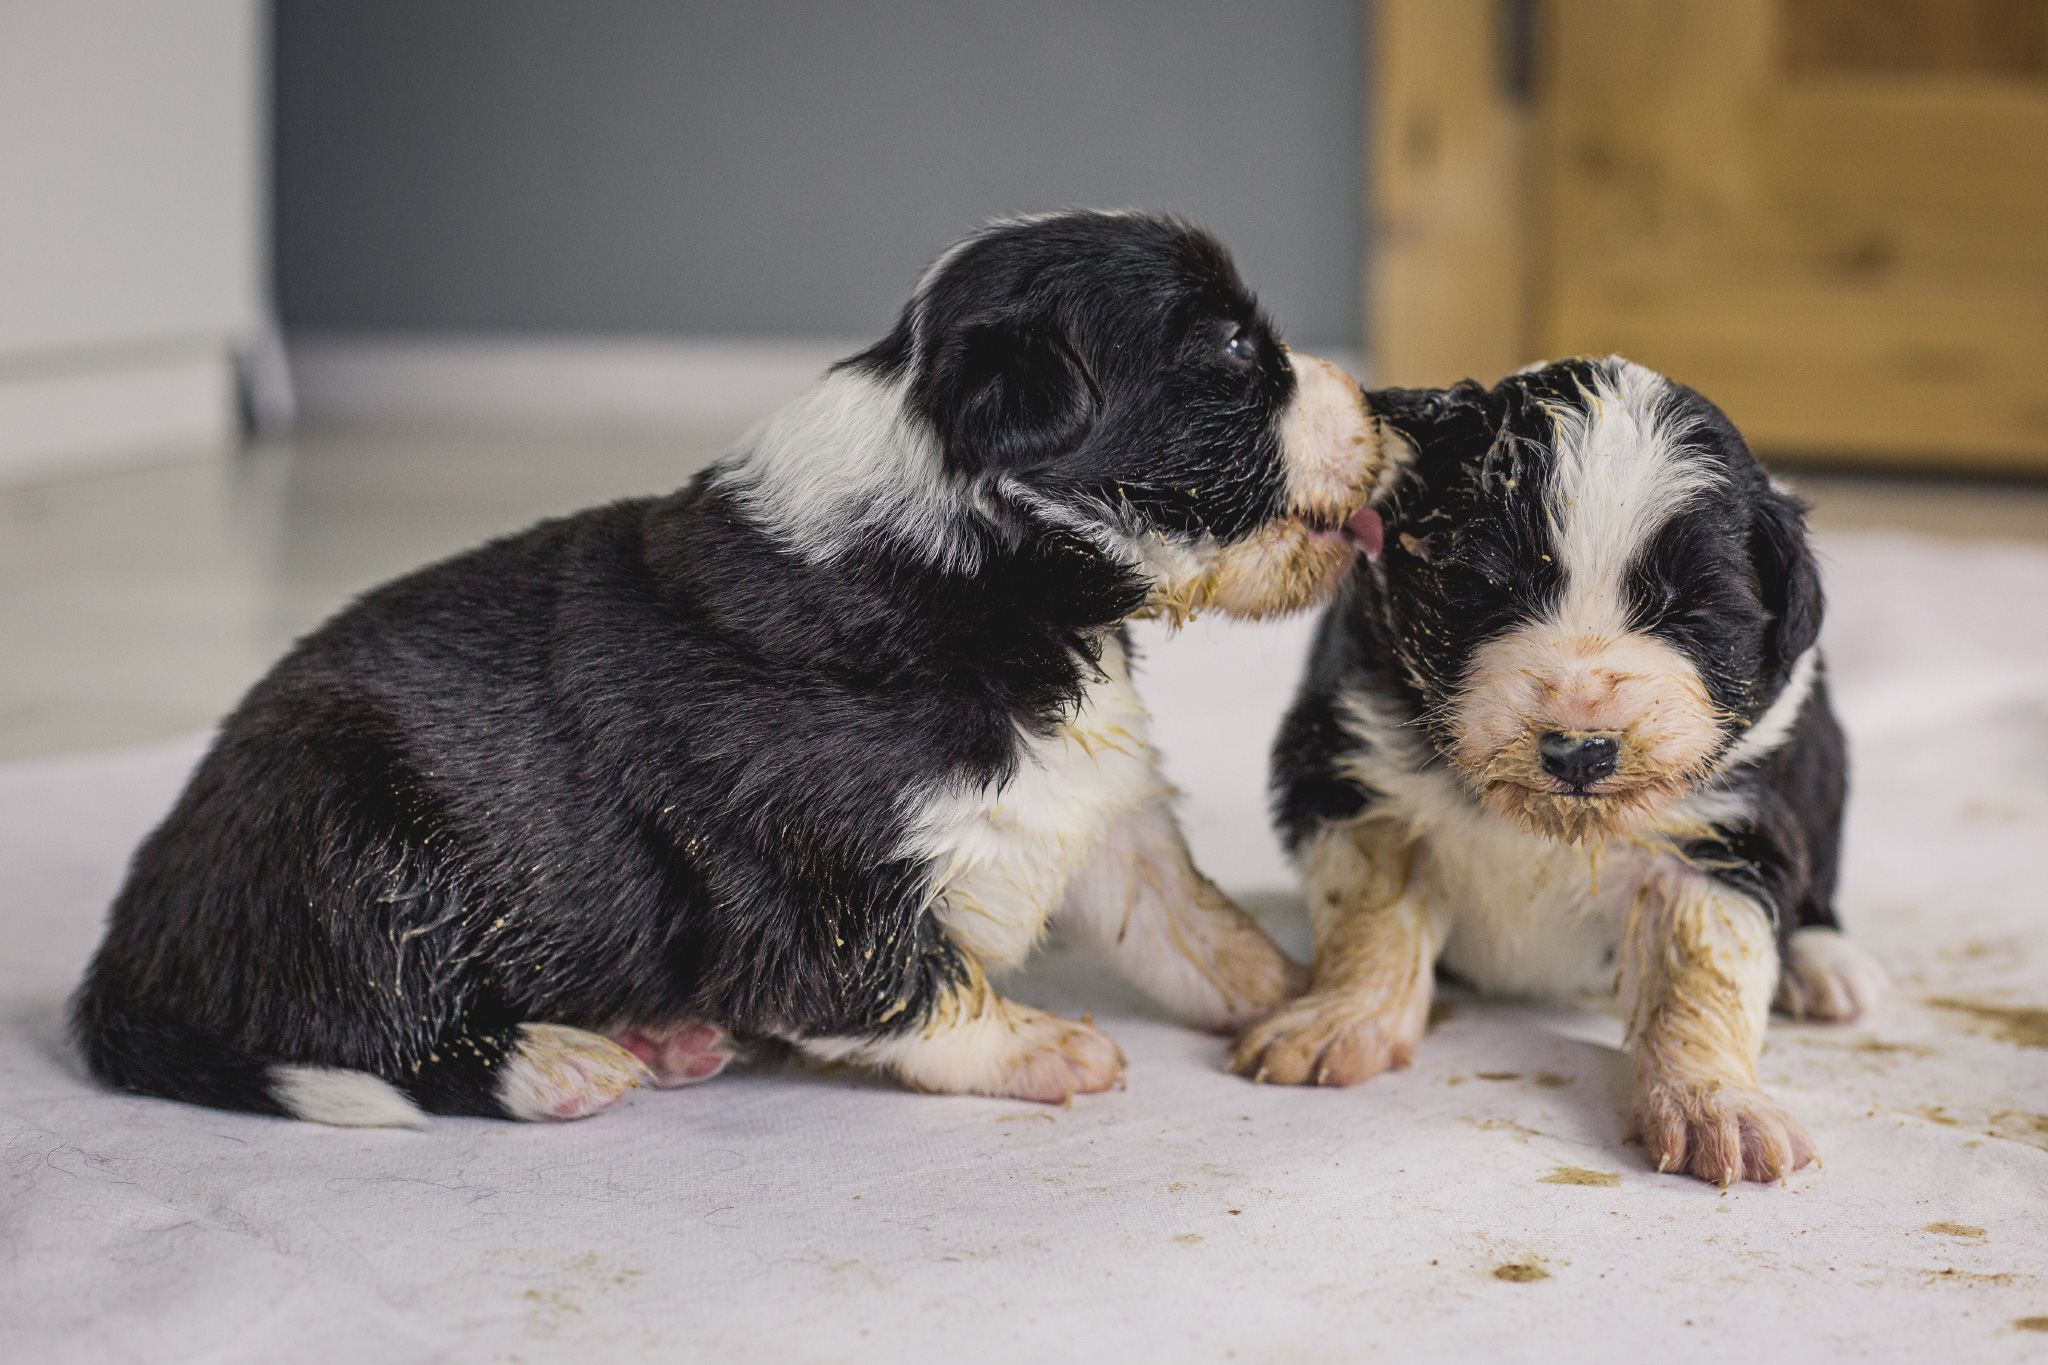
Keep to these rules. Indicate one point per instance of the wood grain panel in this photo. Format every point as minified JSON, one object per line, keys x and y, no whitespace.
{"x":1853,"y":265}
{"x":1450,"y":275}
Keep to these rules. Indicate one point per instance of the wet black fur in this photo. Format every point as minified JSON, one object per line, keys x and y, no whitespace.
{"x":1730,"y":580}
{"x":644,"y":764}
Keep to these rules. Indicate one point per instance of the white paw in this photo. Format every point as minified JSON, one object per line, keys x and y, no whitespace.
{"x":991,"y":1046}
{"x":1330,"y":1038}
{"x":1055,"y":1059}
{"x":1020,"y":1053}
{"x":1716,"y":1131}
{"x":1828,"y":977}
{"x":566,"y":1073}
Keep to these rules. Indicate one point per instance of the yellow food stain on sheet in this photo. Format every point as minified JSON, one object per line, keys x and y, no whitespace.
{"x":1521,"y":1132}
{"x":2020,"y":1025}
{"x":1520,"y":1272}
{"x":1869,"y":1047}
{"x":2003,"y":1280}
{"x":1578,"y":1175}
{"x":1948,"y":1229}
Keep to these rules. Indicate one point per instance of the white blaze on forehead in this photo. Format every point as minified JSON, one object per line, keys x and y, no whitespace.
{"x":843,"y":463}
{"x":1621,"y":469}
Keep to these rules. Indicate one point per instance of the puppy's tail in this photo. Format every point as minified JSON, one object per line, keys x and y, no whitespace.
{"x":175,"y":1061}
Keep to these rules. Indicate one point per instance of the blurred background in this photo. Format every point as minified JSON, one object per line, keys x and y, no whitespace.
{"x":296,"y":295}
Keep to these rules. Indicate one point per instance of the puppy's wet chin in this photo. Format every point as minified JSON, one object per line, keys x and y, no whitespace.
{"x":1285,"y":567}
{"x":1512,"y":783}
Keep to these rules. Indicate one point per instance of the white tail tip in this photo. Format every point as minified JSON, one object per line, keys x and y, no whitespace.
{"x":346,"y":1099}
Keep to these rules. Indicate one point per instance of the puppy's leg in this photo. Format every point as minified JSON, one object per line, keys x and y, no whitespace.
{"x":973,"y":1042}
{"x":1698,"y":968}
{"x":1142,"y":903}
{"x":1376,"y":950}
{"x":529,"y":1071}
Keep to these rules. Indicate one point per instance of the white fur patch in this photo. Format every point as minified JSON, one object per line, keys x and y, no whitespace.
{"x":848,"y":461}
{"x":566,"y":1073}
{"x":1622,"y":470}
{"x":1000,"y":857}
{"x":1829,"y":977}
{"x":1328,"y":442}
{"x":996,"y":1048}
{"x":346,"y":1099}
{"x":1774,"y":726}
{"x":1142,"y":904}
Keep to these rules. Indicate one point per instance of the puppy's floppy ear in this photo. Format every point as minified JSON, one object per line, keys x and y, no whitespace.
{"x":1787,"y":578}
{"x":1410,"y":408}
{"x":1429,"y":416}
{"x":1006,"y":396}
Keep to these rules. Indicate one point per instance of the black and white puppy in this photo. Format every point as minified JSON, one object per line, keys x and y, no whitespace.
{"x":794,"y":753}
{"x":1571,"y":733}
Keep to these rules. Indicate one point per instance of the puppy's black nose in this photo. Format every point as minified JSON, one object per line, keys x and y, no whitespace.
{"x":1580,"y":760}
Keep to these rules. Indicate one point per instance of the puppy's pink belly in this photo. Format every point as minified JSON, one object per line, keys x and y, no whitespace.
{"x":683,"y":1055}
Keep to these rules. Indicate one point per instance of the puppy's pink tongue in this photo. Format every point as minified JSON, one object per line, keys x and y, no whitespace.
{"x":1364,"y":529}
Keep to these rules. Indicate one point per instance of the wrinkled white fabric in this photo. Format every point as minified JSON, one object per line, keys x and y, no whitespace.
{"x":789,"y":1216}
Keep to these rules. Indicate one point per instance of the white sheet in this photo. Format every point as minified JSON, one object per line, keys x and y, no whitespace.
{"x":789,"y":1216}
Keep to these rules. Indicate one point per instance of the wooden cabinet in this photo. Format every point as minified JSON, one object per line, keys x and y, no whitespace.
{"x":1830,"y":216}
{"x":132,"y":220}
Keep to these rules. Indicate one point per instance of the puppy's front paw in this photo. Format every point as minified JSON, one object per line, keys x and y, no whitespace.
{"x":1716,"y":1131}
{"x":1056,"y":1059}
{"x":558,"y":1072}
{"x":1829,"y":977}
{"x":1324,"y":1039}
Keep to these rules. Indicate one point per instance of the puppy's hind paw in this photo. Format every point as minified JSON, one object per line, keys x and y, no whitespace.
{"x":682,"y":1055}
{"x":1057,"y":1059}
{"x":558,"y":1072}
{"x":1828,"y":977}
{"x":1325,"y":1039}
{"x":1717,"y":1132}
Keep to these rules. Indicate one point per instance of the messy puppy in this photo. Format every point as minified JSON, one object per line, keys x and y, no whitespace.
{"x":800,"y":752}
{"x":1571,"y":732}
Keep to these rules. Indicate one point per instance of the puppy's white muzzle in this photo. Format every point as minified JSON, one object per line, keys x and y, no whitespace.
{"x":1328,"y":443}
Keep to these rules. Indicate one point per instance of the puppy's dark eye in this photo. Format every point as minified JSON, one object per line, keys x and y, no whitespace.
{"x":1242,"y":348}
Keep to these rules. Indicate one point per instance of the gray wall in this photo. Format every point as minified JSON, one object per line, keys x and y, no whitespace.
{"x":786,"y":169}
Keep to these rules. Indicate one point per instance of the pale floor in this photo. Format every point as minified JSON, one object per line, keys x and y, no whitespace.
{"x":138,"y":604}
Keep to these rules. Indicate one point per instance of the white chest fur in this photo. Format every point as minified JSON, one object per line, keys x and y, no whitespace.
{"x":1000,"y":856}
{"x":1520,"y":914}
{"x":1524,"y":915}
